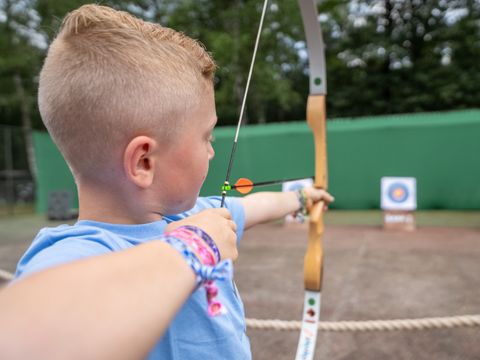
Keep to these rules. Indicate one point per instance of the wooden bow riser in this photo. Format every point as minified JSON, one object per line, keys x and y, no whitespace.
{"x":313,"y":265}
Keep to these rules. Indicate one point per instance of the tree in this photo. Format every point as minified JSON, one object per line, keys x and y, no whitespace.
{"x":228,"y":30}
{"x":18,"y":68}
{"x":383,"y":56}
{"x":405,"y":56}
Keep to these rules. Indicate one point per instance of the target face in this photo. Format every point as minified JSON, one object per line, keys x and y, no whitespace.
{"x":296,"y":184}
{"x":399,"y":193}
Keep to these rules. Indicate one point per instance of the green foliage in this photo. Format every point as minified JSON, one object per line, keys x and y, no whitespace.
{"x":404,"y":56}
{"x":51,"y":13}
{"x":19,"y":59}
{"x":383,"y":56}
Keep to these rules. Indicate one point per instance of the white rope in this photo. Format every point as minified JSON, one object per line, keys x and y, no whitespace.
{"x":371,"y":325}
{"x":5,"y":275}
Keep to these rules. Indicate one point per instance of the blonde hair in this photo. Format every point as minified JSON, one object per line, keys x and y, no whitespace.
{"x":109,"y":76}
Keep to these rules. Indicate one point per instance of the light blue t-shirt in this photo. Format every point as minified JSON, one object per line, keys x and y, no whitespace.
{"x":193,"y":334}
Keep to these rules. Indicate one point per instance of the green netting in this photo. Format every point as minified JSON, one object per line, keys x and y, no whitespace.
{"x":53,"y":172}
{"x":439,"y":149}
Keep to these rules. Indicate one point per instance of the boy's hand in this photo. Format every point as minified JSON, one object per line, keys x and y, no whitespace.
{"x":315,"y":195}
{"x":219,"y":225}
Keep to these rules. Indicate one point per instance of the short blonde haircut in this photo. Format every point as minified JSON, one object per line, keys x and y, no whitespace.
{"x":110,"y":76}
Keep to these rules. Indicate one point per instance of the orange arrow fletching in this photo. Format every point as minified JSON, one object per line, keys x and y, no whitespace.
{"x":243,"y":185}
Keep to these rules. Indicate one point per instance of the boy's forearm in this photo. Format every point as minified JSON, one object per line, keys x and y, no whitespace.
{"x":266,"y":206}
{"x":112,"y":306}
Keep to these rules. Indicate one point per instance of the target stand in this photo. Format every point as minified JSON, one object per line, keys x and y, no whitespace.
{"x":399,"y":201}
{"x":399,"y":220}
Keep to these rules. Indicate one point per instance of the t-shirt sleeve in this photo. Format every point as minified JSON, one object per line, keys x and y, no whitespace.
{"x":47,"y":251}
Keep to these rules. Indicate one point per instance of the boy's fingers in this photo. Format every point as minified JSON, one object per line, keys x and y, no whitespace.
{"x":228,"y":216}
{"x":233,"y":225}
{"x":223,"y":212}
{"x":316,"y":195}
{"x":325,"y":196}
{"x":328,"y":197}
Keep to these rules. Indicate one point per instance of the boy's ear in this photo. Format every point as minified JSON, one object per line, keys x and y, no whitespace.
{"x":138,"y":160}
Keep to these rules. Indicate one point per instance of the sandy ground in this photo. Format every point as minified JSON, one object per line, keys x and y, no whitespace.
{"x":369,"y":274}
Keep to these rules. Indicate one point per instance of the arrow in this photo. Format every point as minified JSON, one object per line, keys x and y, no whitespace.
{"x":244,"y":185}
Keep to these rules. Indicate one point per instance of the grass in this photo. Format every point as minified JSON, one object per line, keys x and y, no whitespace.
{"x":16,"y":209}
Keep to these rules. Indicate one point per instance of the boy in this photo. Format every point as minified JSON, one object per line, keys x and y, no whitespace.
{"x":77,"y":310}
{"x":131,"y":107}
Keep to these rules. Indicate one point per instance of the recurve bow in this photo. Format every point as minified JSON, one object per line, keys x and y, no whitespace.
{"x":316,"y":119}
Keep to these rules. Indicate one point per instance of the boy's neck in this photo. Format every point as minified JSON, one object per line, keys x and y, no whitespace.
{"x":109,"y":204}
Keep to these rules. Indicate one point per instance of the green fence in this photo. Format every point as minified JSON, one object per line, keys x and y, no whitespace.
{"x":52,"y":171}
{"x":439,"y":149}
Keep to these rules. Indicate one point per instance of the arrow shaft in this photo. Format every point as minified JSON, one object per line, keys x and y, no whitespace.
{"x":271,"y":182}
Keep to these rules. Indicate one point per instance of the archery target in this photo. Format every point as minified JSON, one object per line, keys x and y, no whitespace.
{"x":399,"y":193}
{"x":296,"y":184}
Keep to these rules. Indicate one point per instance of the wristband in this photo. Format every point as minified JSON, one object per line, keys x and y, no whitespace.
{"x":206,"y":238}
{"x":190,"y":246}
{"x":300,"y":214}
{"x":191,"y":239}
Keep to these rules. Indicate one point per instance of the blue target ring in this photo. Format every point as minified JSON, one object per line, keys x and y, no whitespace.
{"x":398,"y":192}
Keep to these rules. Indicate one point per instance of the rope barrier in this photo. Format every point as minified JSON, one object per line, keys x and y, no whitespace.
{"x":5,"y":275}
{"x":371,"y":325}
{"x":338,"y":326}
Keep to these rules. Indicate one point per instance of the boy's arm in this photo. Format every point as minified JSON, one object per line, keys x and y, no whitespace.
{"x":113,"y":306}
{"x":266,"y":206}
{"x":95,"y":308}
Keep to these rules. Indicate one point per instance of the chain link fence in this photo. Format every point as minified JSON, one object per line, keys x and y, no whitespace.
{"x":17,"y":187}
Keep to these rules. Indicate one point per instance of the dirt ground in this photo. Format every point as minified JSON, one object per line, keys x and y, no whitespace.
{"x":369,"y":274}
